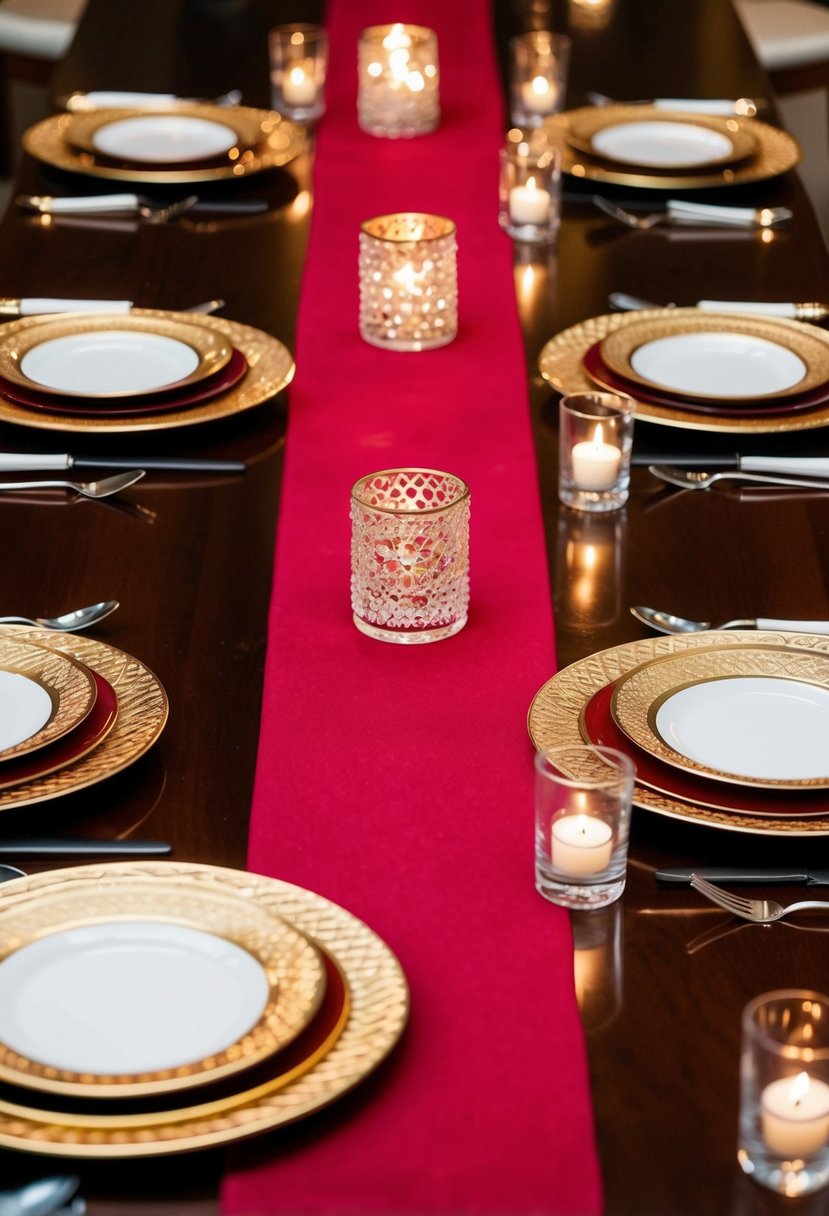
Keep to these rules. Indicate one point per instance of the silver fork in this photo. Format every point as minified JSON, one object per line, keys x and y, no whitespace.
{"x":760,"y":911}
{"x":627,"y":217}
{"x":161,"y":215}
{"x":696,"y":479}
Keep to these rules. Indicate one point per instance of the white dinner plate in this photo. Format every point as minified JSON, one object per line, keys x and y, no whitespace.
{"x":662,"y":145}
{"x":25,"y":708}
{"x":109,"y":362}
{"x":163,"y":139}
{"x":765,"y":729}
{"x":724,"y":364}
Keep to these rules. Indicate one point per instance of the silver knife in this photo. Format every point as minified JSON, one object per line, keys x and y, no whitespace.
{"x":738,"y":875}
{"x":38,"y":305}
{"x":30,"y":462}
{"x":60,"y":846}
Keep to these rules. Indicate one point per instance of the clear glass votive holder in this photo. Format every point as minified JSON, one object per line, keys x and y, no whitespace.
{"x":539,"y":62}
{"x":299,"y":59}
{"x":399,"y":80}
{"x":410,"y":555}
{"x":583,"y":798}
{"x":784,"y":1091}
{"x":408,"y":281}
{"x":530,"y":190}
{"x":594,"y":445}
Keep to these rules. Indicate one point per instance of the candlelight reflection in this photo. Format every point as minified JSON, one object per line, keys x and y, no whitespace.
{"x":598,"y":967}
{"x":588,"y":16}
{"x":589,"y":567}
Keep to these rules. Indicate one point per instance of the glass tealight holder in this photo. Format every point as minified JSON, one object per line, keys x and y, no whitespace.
{"x":539,"y":62}
{"x":594,"y":446}
{"x":399,"y":80}
{"x":408,"y":281}
{"x":583,"y":798}
{"x":410,"y":555}
{"x":784,"y":1091}
{"x":299,"y":59}
{"x":530,"y":190}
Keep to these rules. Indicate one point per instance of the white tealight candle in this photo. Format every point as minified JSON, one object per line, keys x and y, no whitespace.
{"x":595,"y":463}
{"x":581,"y":845}
{"x":299,"y":87}
{"x":529,"y":204}
{"x":539,"y":95}
{"x":795,"y":1116}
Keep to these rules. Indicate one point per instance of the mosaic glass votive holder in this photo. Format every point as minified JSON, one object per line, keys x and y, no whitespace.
{"x":410,"y":555}
{"x":408,"y":281}
{"x":539,"y":63}
{"x":530,"y":190}
{"x":399,"y":80}
{"x":595,"y":440}
{"x":784,"y":1091}
{"x":299,"y":59}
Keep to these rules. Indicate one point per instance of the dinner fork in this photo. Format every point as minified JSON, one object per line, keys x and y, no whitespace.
{"x":760,"y":911}
{"x":697,"y":479}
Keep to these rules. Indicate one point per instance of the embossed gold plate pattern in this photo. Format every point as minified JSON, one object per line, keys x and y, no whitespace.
{"x":142,"y":714}
{"x":560,"y":363}
{"x":808,"y":344}
{"x":268,"y":140}
{"x":379,"y":1003}
{"x":640,"y":693}
{"x":270,"y":369}
{"x":286,"y":966}
{"x":66,"y":682}
{"x":738,"y":133}
{"x":211,"y":348}
{"x":554,"y":714}
{"x":777,"y":152}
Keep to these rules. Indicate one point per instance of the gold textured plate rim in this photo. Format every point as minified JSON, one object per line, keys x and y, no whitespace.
{"x":242,"y":121}
{"x":809,"y":345}
{"x":553,"y":719}
{"x":270,"y":369}
{"x":581,"y":132}
{"x":142,"y":716}
{"x":560,"y":364}
{"x":639,"y":693}
{"x":292,"y":967}
{"x":378,"y":998}
{"x":212,"y":347}
{"x":68,"y":682}
{"x":777,"y":152}
{"x":279,"y":141}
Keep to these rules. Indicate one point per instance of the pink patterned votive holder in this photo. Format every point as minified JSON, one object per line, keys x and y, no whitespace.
{"x":410,"y":555}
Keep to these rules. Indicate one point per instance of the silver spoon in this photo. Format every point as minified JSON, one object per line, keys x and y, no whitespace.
{"x":666,"y":622}
{"x":88,"y":489}
{"x":39,"y":1198}
{"x":695,"y":479}
{"x":67,"y":622}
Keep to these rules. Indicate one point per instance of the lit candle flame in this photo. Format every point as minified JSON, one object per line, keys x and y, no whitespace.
{"x":540,"y":86}
{"x":799,"y":1088}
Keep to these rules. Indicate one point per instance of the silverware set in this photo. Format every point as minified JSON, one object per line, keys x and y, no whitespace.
{"x":699,"y":479}
{"x":680,"y":212}
{"x":666,"y":622}
{"x":152,"y":210}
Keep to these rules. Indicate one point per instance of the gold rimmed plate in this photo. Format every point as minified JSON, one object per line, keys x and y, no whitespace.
{"x":365,"y":1025}
{"x":112,"y":991}
{"x":266,"y":141}
{"x":555,"y":713}
{"x":561,"y":363}
{"x":44,"y":694}
{"x":709,"y":357}
{"x":747,"y":715}
{"x":652,"y":139}
{"x":142,"y":715}
{"x":776,"y":152}
{"x":102,"y":357}
{"x":270,"y":368}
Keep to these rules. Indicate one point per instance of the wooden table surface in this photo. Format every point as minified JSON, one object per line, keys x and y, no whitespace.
{"x":190,"y":559}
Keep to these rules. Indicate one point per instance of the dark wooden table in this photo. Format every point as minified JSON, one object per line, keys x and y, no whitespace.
{"x":190,"y":559}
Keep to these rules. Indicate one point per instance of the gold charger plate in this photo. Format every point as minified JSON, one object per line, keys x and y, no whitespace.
{"x":554,"y":715}
{"x":292,"y":968}
{"x":639,"y":694}
{"x":378,"y":1006}
{"x":270,"y":369}
{"x":777,"y":152}
{"x":582,"y":131}
{"x":560,"y":363}
{"x":270,"y":141}
{"x":809,"y":344}
{"x":66,"y":681}
{"x":142,"y":714}
{"x":212,"y":348}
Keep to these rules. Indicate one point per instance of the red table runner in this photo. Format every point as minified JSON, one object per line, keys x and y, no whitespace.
{"x":397,"y":780}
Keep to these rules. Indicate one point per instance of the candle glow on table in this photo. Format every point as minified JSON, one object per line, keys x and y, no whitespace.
{"x":581,"y":845}
{"x":539,"y":95}
{"x":596,"y":464}
{"x":795,"y":1116}
{"x":299,"y":87}
{"x":529,"y":204}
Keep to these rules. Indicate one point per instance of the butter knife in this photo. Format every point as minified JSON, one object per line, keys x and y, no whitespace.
{"x":740,"y":874}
